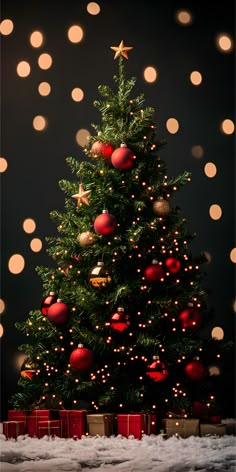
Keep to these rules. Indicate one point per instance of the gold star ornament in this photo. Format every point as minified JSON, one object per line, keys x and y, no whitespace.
{"x":121,"y":50}
{"x":82,"y":195}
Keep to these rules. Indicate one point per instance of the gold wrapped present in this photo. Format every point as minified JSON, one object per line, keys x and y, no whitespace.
{"x":100,"y":424}
{"x":182,"y":427}
{"x":217,"y":429}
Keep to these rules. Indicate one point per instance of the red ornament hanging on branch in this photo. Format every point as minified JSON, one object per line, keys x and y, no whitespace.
{"x":122,"y":158}
{"x":104,"y":150}
{"x":120,"y":320}
{"x":195,"y":370}
{"x":81,"y":358}
{"x":105,"y":223}
{"x":190,"y":318}
{"x":199,"y":409}
{"x":58,"y":312}
{"x":47,"y":301}
{"x":157,"y":370}
{"x":154,"y":272}
{"x":173,"y":265}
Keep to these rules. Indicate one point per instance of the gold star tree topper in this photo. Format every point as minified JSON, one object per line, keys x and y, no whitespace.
{"x":121,"y":50}
{"x":82,"y":195}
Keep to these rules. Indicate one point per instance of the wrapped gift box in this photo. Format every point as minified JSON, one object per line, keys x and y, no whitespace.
{"x":17,"y":415}
{"x":73,"y":423}
{"x":33,"y":418}
{"x":181,"y":426}
{"x":230,"y":425}
{"x":151,"y":423}
{"x":135,"y":424}
{"x":12,"y":429}
{"x":50,"y":428}
{"x":101,"y":424}
{"x":212,"y":429}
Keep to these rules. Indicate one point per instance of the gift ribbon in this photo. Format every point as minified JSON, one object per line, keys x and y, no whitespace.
{"x":128,"y":423}
{"x":16,"y":417}
{"x":49,"y":427}
{"x":16,"y":423}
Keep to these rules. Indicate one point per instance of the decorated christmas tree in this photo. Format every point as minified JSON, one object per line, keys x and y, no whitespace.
{"x":119,"y":325}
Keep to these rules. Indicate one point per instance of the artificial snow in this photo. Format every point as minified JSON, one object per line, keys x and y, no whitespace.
{"x":118,"y":454}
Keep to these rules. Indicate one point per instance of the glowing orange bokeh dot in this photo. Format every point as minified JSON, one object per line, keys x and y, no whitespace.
{"x":39,"y":123}
{"x":172,"y":125}
{"x":44,"y":89}
{"x":6,"y":27}
{"x":150,"y":74}
{"x":215,"y":212}
{"x":29,"y":225}
{"x":3,"y":164}
{"x":36,"y":39}
{"x":45,"y":61}
{"x":224,"y":43}
{"x":36,"y":245}
{"x":82,"y":137}
{"x":233,"y":255}
{"x":16,"y":264}
{"x":217,"y":333}
{"x":23,"y":69}
{"x":196,"y":77}
{"x":184,"y":17}
{"x":75,"y":34}
{"x":227,"y":126}
{"x":2,"y":306}
{"x":210,"y":169}
{"x":93,"y":8}
{"x":77,"y":94}
{"x":197,"y":151}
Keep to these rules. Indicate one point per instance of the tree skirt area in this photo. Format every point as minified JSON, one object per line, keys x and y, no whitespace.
{"x":116,"y":453}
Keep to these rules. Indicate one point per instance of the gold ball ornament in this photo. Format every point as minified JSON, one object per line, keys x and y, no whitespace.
{"x":161,"y":207}
{"x":86,"y":238}
{"x":99,"y":275}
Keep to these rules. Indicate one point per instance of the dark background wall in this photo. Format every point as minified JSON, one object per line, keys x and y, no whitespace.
{"x":36,"y":160}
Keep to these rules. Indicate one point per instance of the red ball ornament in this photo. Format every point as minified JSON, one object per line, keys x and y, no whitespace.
{"x":104,"y":150}
{"x":47,"y":301}
{"x":195,"y":370}
{"x":173,"y":265}
{"x":119,"y":320}
{"x":189,"y":318}
{"x":199,"y":409}
{"x":157,"y":370}
{"x":81,"y":358}
{"x":154,"y":272}
{"x":58,"y":312}
{"x":105,"y":223}
{"x":122,"y":158}
{"x":215,"y":418}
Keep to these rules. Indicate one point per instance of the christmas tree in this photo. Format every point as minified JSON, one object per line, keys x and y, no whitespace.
{"x":119,"y":325}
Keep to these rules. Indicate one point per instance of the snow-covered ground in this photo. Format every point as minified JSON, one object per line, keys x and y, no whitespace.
{"x":118,"y":454}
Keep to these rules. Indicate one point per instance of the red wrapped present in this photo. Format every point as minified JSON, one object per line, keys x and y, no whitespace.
{"x":50,"y":428}
{"x":33,"y":418}
{"x":151,"y":423}
{"x":12,"y":429}
{"x":17,"y":415}
{"x":73,"y":423}
{"x":133,"y":424}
